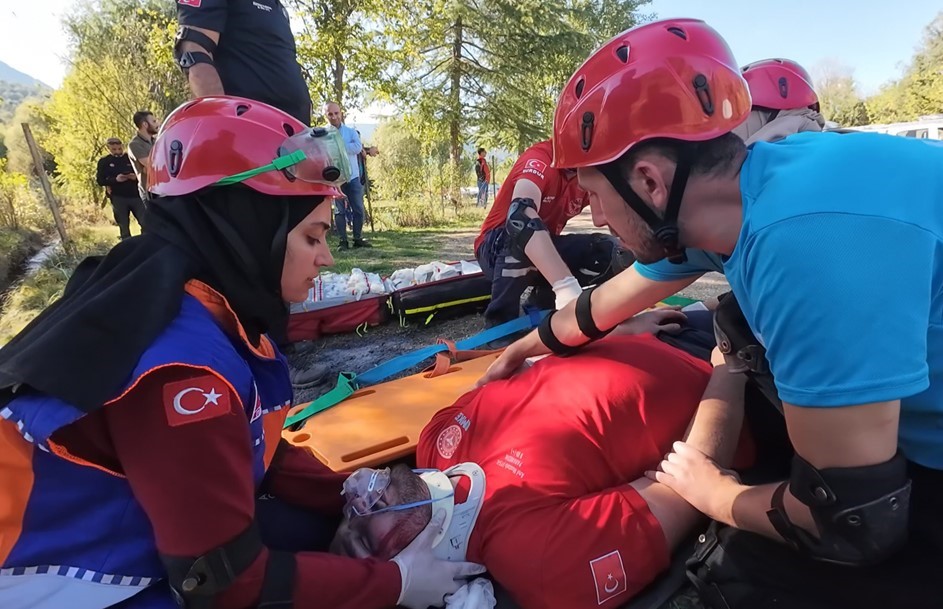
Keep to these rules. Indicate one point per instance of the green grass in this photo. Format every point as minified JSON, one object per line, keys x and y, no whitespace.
{"x":409,"y":247}
{"x":392,"y":250}
{"x":449,"y":239}
{"x":29,"y":297}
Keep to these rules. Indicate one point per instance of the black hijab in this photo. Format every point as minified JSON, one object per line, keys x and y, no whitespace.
{"x":83,"y":348}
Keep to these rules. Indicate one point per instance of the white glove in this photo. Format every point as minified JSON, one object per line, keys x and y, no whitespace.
{"x":479,"y":594}
{"x":426,"y":579}
{"x":566,"y":290}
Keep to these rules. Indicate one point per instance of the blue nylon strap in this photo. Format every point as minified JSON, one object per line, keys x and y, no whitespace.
{"x":398,"y":364}
{"x":348,"y":382}
{"x":525,"y":322}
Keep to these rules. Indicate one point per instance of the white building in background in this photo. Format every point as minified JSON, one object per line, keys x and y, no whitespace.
{"x":927,"y":127}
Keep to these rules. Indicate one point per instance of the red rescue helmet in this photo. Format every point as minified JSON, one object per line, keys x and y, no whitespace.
{"x":226,"y":139}
{"x":675,"y":78}
{"x":780,"y":84}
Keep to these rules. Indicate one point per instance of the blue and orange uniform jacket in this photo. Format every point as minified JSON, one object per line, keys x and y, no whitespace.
{"x":166,"y":466}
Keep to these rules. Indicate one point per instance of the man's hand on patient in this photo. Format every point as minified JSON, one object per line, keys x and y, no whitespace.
{"x":427,"y":579}
{"x":710,"y":489}
{"x":507,"y":365}
{"x":514,"y":358}
{"x":664,"y":319}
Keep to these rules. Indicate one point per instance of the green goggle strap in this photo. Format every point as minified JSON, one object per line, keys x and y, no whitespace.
{"x":280,"y":163}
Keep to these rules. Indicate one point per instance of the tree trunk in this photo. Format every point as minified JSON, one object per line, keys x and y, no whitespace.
{"x":455,"y":115}
{"x":339,"y":78}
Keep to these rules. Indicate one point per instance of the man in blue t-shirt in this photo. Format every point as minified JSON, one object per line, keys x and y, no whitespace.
{"x":783,"y":103}
{"x":833,"y":246}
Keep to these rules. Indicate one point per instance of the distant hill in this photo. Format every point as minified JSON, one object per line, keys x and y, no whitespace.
{"x":12,"y":75}
{"x":15,"y":86}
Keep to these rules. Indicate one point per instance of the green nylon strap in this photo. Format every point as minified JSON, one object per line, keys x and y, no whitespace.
{"x":346,"y":386}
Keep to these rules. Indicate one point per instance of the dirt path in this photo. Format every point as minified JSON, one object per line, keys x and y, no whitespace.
{"x":458,"y":244}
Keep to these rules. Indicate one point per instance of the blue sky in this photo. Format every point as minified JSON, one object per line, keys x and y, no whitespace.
{"x":875,"y":38}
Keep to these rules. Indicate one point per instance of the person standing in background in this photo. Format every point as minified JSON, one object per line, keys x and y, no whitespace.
{"x":244,"y":48}
{"x":117,"y":175}
{"x":483,"y":173}
{"x":353,"y":190}
{"x":139,"y":149}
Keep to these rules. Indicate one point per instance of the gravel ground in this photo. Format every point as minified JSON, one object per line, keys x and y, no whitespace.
{"x":352,"y":353}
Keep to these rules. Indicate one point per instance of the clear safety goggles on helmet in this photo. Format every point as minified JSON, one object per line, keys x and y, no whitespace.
{"x":364,"y":487}
{"x":316,"y":155}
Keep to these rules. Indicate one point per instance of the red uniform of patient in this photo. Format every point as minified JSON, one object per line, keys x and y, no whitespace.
{"x":560,"y":527}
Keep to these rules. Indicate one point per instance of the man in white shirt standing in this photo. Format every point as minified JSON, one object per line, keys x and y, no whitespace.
{"x":353,"y":189}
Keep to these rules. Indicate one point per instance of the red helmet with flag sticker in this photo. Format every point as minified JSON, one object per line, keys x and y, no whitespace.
{"x":780,"y":84}
{"x":217,"y":141}
{"x":675,"y":78}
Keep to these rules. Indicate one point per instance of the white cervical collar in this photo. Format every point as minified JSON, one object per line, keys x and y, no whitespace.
{"x":452,"y":543}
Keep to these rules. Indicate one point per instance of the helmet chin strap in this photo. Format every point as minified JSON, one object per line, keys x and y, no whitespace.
{"x":665,"y":229}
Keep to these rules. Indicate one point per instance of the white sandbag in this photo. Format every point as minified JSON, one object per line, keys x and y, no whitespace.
{"x":443,"y":271}
{"x":403,"y":278}
{"x":423,"y":273}
{"x":469,"y":267}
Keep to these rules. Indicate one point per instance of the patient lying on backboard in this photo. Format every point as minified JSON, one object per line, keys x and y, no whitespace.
{"x":542,"y":475}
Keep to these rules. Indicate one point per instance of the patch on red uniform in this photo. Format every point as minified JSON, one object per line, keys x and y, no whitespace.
{"x":575,"y":206}
{"x":536,"y":165}
{"x":609,"y":575}
{"x":448,"y":440}
{"x":197,"y":399}
{"x":193,"y":3}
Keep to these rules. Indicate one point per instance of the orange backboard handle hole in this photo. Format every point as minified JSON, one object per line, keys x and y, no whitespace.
{"x":370,"y":450}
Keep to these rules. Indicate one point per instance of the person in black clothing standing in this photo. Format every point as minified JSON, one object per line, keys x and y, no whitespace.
{"x":116,"y":174}
{"x":244,"y":48}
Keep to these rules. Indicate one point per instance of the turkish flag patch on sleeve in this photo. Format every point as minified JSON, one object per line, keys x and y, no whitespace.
{"x":193,"y":3}
{"x":609,"y":575}
{"x":197,"y":399}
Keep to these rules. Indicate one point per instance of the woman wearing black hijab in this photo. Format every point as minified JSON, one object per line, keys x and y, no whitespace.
{"x":140,"y":414}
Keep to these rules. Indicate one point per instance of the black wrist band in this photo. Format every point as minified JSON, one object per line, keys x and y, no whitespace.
{"x":545,"y":332}
{"x":584,"y":316}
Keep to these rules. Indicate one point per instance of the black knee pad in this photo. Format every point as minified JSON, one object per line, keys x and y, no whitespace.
{"x":604,"y":258}
{"x":734,"y":569}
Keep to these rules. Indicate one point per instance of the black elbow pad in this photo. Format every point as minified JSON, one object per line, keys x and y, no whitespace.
{"x":187,"y":60}
{"x":196,"y":581}
{"x":862,"y":513}
{"x":521,"y":227}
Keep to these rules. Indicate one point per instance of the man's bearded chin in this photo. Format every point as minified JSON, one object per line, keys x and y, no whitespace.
{"x":644,"y":246}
